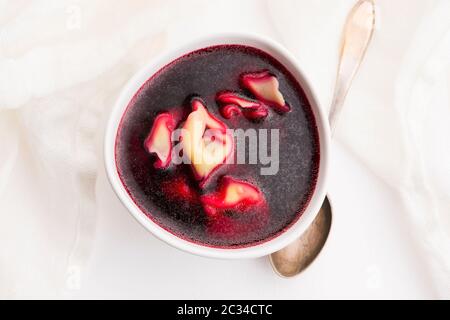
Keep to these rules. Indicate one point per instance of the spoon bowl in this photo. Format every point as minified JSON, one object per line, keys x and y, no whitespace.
{"x":287,"y":262}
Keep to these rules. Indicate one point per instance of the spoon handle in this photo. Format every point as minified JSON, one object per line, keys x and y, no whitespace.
{"x":356,"y":36}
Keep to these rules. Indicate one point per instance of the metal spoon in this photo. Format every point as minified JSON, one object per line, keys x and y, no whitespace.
{"x":356,"y":36}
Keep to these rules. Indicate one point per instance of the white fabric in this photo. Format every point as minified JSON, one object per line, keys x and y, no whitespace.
{"x":62,"y":64}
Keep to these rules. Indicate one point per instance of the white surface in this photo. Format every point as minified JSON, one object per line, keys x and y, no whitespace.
{"x":64,"y":234}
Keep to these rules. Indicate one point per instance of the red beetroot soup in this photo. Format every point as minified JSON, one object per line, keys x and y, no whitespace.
{"x":197,"y":210}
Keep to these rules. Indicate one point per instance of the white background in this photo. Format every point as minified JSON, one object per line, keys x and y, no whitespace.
{"x":64,"y":234}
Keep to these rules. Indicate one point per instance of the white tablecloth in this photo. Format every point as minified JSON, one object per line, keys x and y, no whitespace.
{"x":62,"y":64}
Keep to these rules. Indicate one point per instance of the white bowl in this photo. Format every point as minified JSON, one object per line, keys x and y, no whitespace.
{"x":259,"y":249}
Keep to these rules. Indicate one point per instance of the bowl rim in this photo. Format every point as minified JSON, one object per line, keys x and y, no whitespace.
{"x":135,"y":83}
